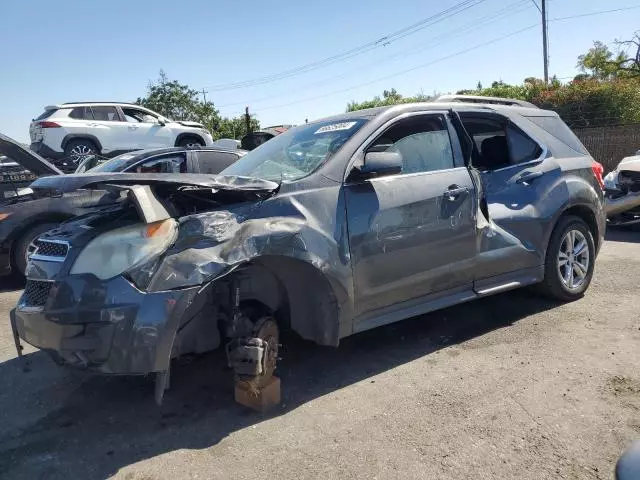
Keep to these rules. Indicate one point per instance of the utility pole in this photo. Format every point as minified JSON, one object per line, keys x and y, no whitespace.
{"x":204,"y":95}
{"x":545,"y":54}
{"x":247,"y":119}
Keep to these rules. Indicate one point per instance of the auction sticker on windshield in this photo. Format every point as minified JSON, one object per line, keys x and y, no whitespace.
{"x":335,"y":127}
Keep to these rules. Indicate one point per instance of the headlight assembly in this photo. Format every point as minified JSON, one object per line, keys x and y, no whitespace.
{"x":119,"y":250}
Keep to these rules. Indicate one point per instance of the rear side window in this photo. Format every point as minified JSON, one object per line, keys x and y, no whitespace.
{"x":173,"y":163}
{"x":105,"y":113}
{"x":81,"y":113}
{"x":214,"y":162}
{"x":498,"y":143}
{"x":46,"y":114}
{"x":521,"y":147}
{"x":557,"y":128}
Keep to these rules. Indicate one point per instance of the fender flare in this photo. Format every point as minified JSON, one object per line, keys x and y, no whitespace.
{"x":299,"y":294}
{"x":184,"y":135}
{"x":80,"y":136}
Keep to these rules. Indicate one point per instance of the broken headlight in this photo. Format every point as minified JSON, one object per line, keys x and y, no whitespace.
{"x":611,"y":181}
{"x":119,"y":250}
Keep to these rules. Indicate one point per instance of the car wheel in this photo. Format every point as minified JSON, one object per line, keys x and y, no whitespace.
{"x":24,"y":245}
{"x":77,"y":150}
{"x":191,"y":142}
{"x":570,"y":260}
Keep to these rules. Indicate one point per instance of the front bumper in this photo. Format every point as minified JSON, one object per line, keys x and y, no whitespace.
{"x":105,"y":326}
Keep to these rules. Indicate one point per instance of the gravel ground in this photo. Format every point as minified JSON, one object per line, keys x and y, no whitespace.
{"x":512,"y":386}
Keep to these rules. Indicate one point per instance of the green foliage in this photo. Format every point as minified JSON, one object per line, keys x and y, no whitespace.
{"x":600,"y":62}
{"x":235,"y":127}
{"x":179,"y":102}
{"x":389,"y":97}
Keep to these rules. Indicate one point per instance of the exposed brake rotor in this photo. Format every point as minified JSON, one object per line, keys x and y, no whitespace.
{"x":266,"y":329}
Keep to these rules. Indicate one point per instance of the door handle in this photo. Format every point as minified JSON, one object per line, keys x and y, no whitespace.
{"x":454,"y":191}
{"x":133,"y":127}
{"x":527,"y":177}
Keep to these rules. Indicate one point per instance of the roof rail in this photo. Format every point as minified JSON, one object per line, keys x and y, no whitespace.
{"x":485,"y":100}
{"x":89,"y":103}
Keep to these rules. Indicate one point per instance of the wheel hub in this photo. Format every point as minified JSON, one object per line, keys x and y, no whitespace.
{"x":573,"y":259}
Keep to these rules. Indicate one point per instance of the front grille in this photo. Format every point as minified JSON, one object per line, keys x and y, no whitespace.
{"x":36,"y":293}
{"x":51,"y":249}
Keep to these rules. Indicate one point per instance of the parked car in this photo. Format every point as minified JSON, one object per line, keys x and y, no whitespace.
{"x":329,"y":229}
{"x":44,"y":206}
{"x":68,"y":133}
{"x":227,"y":143}
{"x":622,"y":193}
{"x":253,"y":140}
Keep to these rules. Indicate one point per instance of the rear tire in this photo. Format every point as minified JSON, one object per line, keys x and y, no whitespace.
{"x":79,"y":149}
{"x":191,"y":142}
{"x":21,"y":250}
{"x":570,"y":260}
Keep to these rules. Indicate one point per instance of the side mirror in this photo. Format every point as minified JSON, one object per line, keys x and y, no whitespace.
{"x":378,"y":164}
{"x":162,"y":121}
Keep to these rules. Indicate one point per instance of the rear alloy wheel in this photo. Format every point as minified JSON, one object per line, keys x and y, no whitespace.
{"x":77,"y":150}
{"x":191,"y":142}
{"x":570,"y":260}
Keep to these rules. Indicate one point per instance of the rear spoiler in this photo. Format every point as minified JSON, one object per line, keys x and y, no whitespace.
{"x":52,"y":107}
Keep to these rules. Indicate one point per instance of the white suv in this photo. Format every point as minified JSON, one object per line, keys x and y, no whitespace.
{"x":69,"y":132}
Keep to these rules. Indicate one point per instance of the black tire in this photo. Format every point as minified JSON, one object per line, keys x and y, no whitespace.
{"x":191,"y":142}
{"x":78,"y":149}
{"x":22,"y":244}
{"x":553,"y":284}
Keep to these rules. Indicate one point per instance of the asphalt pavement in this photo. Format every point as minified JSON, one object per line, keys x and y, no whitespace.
{"x":513,"y":386}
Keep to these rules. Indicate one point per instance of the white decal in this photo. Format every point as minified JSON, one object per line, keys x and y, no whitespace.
{"x":335,"y":127}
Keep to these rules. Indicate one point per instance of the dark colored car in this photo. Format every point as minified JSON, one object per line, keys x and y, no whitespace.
{"x":329,"y":229}
{"x":57,"y":198}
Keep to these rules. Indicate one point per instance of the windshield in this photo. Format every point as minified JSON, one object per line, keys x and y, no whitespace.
{"x":116,"y":164}
{"x":297,"y":152}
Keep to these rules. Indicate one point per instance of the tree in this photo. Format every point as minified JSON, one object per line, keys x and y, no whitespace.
{"x":235,"y":127}
{"x":180,"y":102}
{"x":600,"y":62}
{"x":629,"y":65}
{"x":389,"y":97}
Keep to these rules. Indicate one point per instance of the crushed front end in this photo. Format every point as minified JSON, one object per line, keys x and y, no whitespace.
{"x":89,"y":299}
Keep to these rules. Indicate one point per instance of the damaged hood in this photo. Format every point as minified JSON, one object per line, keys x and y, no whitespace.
{"x":630,"y":163}
{"x":69,"y":183}
{"x":25,"y":157}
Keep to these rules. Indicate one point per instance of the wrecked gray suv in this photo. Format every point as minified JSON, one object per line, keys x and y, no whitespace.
{"x":332,"y":228}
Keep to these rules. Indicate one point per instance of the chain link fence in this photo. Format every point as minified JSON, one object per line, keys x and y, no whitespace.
{"x":610,"y":144}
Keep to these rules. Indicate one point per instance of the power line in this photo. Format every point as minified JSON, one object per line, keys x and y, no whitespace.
{"x":382,"y":41}
{"x":461,"y":52}
{"x":594,"y":13}
{"x":511,"y":9}
{"x":537,"y":6}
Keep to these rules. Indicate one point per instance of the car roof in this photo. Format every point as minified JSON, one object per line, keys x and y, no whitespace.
{"x":84,"y":104}
{"x":506,"y":110}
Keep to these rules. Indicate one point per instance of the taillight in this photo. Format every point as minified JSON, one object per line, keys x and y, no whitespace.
{"x":46,"y":124}
{"x":598,"y":170}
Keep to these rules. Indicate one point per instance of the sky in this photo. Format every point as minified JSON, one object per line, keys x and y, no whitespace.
{"x":79,"y":50}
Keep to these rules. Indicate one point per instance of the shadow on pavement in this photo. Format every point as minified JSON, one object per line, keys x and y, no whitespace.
{"x":627,"y":235}
{"x":11,"y":284}
{"x":101,"y":424}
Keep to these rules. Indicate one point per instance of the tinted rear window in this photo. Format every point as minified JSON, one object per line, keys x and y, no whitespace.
{"x":81,"y":113}
{"x":556,"y":127}
{"x":45,"y":114}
